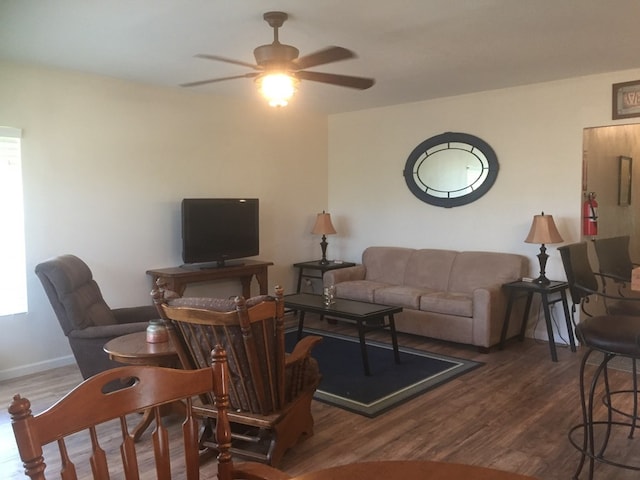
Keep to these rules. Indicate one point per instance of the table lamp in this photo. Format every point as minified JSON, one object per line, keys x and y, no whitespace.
{"x":543,"y":231}
{"x":324,"y":227}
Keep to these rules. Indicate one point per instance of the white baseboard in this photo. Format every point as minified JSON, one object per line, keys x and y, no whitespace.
{"x":23,"y":370}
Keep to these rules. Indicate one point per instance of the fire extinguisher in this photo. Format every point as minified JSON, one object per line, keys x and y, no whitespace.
{"x":590,"y":215}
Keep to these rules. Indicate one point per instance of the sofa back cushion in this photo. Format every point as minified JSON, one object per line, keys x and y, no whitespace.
{"x":386,"y":264}
{"x":472,"y":270}
{"x":430,"y":269}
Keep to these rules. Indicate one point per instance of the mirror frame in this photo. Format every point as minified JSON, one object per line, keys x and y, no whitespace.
{"x":417,"y":156}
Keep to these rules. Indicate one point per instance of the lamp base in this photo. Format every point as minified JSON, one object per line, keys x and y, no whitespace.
{"x":542,"y":280}
{"x":542,"y":259}
{"x":323,"y":246}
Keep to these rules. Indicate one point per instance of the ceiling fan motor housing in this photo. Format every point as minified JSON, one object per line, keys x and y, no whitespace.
{"x":275,"y":54}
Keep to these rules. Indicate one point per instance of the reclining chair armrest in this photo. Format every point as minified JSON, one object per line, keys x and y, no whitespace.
{"x":135,"y":314}
{"x":109,"y":331}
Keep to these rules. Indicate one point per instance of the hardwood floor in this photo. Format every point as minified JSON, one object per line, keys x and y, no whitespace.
{"x":513,"y":414}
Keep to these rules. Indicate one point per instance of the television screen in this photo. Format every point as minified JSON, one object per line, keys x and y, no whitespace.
{"x":219,"y":229}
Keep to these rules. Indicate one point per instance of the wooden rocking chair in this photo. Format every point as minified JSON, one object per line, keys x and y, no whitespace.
{"x":85,"y":413}
{"x":270,"y":390}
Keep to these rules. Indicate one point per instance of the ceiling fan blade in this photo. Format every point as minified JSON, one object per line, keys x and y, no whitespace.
{"x":213,"y":80}
{"x":321,"y":57}
{"x":360,"y":83}
{"x":227,"y":60}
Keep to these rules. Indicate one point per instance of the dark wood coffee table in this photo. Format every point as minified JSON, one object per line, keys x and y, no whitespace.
{"x":367,"y":316}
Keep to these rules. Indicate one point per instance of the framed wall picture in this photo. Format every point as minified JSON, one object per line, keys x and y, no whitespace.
{"x":624,"y":181}
{"x":626,"y":100}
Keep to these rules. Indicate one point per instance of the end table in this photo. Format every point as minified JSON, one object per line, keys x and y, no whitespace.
{"x":317,"y":269}
{"x":545,"y":291}
{"x":133,"y":349}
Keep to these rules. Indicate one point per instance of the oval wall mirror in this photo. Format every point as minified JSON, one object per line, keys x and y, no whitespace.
{"x":451,"y":169}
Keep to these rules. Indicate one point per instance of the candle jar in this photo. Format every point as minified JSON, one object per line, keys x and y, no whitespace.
{"x":157,"y":332}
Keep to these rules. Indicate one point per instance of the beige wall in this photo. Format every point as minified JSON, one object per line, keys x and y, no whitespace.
{"x":106,"y":163}
{"x":536,"y":132}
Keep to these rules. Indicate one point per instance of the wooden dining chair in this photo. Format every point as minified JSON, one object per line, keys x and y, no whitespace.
{"x":83,"y":421}
{"x":270,"y":390}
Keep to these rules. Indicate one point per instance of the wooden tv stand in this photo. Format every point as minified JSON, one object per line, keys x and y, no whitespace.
{"x":177,"y":278}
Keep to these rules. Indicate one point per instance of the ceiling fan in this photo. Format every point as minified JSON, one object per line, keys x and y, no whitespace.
{"x":278,"y":63}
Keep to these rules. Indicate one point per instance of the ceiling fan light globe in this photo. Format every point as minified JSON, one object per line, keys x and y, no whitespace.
{"x":277,"y":88}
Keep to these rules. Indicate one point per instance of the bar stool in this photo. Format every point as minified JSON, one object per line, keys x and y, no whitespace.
{"x":612,"y":336}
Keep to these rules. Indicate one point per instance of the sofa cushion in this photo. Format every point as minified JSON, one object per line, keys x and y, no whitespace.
{"x":448,"y":303}
{"x":386,"y":264}
{"x":429,"y":268}
{"x":406,"y":297}
{"x":362,"y":290}
{"x":473,"y":270}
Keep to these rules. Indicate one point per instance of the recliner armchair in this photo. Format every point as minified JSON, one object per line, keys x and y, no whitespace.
{"x":85,"y":318}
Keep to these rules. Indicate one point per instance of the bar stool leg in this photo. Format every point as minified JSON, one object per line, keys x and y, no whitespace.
{"x":589,"y":426}
{"x":585,"y":420}
{"x":607,"y":396}
{"x":588,"y":422}
{"x":635,"y":398}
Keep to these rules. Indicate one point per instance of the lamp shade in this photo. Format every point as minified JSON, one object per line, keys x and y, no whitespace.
{"x":323,"y":225}
{"x":277,"y":88}
{"x":543,"y":230}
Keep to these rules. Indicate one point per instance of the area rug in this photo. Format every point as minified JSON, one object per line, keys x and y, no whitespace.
{"x":345,"y":385}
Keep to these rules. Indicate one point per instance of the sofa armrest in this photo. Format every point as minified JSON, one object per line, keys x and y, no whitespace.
{"x":489,"y":307}
{"x":135,"y":314}
{"x":333,"y":277}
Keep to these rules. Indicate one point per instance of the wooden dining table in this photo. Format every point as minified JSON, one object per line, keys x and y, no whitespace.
{"x":410,"y":469}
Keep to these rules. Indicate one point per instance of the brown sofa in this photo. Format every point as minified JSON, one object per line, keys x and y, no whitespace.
{"x":445,"y":294}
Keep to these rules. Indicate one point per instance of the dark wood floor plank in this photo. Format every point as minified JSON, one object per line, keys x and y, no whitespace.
{"x":513,"y":413}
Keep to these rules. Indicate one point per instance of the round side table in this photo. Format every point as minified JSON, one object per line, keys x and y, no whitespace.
{"x":133,"y":349}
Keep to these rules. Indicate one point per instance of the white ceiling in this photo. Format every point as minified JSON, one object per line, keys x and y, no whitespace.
{"x":415,"y":49}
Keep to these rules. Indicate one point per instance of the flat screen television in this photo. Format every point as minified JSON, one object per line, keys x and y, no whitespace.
{"x":215,"y":230}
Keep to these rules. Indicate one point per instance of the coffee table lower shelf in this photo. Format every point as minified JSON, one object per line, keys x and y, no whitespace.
{"x":362,"y":314}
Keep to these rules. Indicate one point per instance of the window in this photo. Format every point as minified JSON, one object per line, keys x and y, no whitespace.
{"x":13,"y":281}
